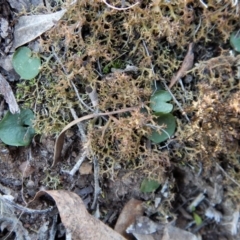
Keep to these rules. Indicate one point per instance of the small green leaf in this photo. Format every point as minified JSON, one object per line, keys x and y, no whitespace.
{"x":26,"y":65}
{"x":159,"y":102}
{"x":235,"y":41}
{"x":149,"y":185}
{"x":167,"y":119}
{"x":16,"y":129}
{"x":197,"y":219}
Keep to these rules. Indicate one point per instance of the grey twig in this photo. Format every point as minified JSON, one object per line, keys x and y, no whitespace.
{"x":28,"y":210}
{"x":80,"y":99}
{"x":79,"y":163}
{"x":92,"y":93}
{"x":228,"y":175}
{"x":175,"y":100}
{"x":152,"y":67}
{"x":97,"y":188}
{"x":73,"y":85}
{"x":80,"y":126}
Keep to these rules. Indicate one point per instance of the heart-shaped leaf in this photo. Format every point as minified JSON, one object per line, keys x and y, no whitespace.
{"x":25,"y":64}
{"x":235,"y":41}
{"x":167,"y":119}
{"x":16,"y":129}
{"x":159,"y":102}
{"x":149,"y":185}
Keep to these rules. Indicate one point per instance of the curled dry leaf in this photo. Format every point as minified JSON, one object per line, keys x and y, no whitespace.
{"x":186,"y":66}
{"x":6,"y":91}
{"x":60,"y":139}
{"x":130,"y":212}
{"x":76,"y":218}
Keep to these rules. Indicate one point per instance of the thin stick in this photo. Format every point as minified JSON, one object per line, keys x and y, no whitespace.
{"x":234,"y":3}
{"x":175,"y":100}
{"x":199,"y":25}
{"x":228,"y":175}
{"x":73,"y":85}
{"x":152,"y":67}
{"x":97,"y":188}
{"x":80,"y":99}
{"x":80,"y":126}
{"x":28,"y":210}
{"x":158,"y":128}
{"x":120,"y":9}
{"x":204,"y":4}
{"x":78,"y":163}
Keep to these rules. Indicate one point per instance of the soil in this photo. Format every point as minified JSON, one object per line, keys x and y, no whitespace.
{"x":26,"y":170}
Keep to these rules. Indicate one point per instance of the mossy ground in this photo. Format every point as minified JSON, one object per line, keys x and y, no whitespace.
{"x":93,"y":38}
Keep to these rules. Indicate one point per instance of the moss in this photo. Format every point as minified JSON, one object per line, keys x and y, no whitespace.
{"x":92,"y":38}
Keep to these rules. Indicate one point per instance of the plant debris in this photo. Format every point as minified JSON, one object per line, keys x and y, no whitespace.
{"x":102,"y":64}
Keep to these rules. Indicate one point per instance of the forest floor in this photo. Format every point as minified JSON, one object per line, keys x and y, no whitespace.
{"x":103,"y":63}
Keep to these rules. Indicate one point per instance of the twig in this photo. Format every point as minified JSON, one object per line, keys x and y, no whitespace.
{"x":199,"y":25}
{"x":92,"y":93}
{"x":196,"y":202}
{"x":80,"y":126}
{"x":97,"y":188}
{"x":73,"y":85}
{"x":175,"y":100}
{"x":204,"y":4}
{"x":78,"y":164}
{"x":28,"y":210}
{"x":228,"y":175}
{"x":80,"y":99}
{"x":158,"y":128}
{"x":58,"y":60}
{"x":234,"y":3}
{"x":120,"y":9}
{"x":152,"y":67}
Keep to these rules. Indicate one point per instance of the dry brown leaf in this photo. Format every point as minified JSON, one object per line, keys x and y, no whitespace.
{"x":186,"y":66}
{"x":6,"y":91}
{"x":31,"y":27}
{"x":76,"y":218}
{"x":131,"y":210}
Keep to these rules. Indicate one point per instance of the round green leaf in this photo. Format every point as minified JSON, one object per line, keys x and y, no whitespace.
{"x":148,"y":185}
{"x":159,"y":102}
{"x":235,"y":41}
{"x":167,"y":119}
{"x":16,"y":129}
{"x":26,"y":65}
